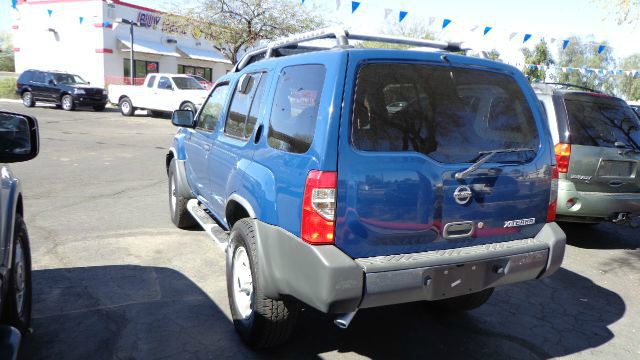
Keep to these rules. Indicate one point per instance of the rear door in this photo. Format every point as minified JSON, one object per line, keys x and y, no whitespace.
{"x":408,"y":128}
{"x":604,"y":133}
{"x":38,"y":87}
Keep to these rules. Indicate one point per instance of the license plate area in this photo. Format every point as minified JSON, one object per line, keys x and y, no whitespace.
{"x":617,"y":169}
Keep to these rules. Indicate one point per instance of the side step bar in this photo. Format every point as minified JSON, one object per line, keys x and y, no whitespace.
{"x":209,"y":225}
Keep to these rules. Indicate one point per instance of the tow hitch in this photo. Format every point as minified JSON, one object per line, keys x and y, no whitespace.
{"x":626,"y":219}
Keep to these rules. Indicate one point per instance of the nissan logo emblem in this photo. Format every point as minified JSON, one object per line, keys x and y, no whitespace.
{"x":462,"y":194}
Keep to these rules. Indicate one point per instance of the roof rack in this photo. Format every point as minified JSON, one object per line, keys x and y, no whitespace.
{"x":573,"y":86}
{"x":342,"y":38}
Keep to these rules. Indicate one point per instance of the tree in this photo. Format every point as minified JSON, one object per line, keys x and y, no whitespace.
{"x":629,"y":86}
{"x":540,"y":55}
{"x":582,"y":57}
{"x":493,"y":54}
{"x":625,"y":11}
{"x":416,"y":29}
{"x":237,"y":25}
{"x":7,"y":62}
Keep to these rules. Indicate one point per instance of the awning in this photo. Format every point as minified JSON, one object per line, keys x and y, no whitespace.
{"x":202,"y":54}
{"x":148,"y":47}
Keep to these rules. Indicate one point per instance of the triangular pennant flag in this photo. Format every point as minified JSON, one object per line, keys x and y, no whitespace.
{"x":431,"y":20}
{"x":445,"y":23}
{"x":14,"y":4}
{"x":628,"y":72}
{"x":553,"y":40}
{"x":387,"y":12}
{"x":532,"y":67}
{"x":564,"y":69}
{"x":81,"y":19}
{"x":512,"y":36}
{"x":403,"y":14}
{"x":601,"y":71}
{"x":474,"y":28}
{"x":354,"y":6}
{"x":50,"y":12}
{"x":565,"y":43}
{"x":601,"y":48}
{"x":612,"y":72}
{"x":106,"y":24}
{"x":526,"y":38}
{"x":570,"y":69}
{"x":337,"y":4}
{"x":302,"y":2}
{"x":487,"y":29}
{"x":619,"y":71}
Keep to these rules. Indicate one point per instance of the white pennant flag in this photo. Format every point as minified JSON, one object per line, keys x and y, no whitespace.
{"x":474,"y":28}
{"x":337,"y":4}
{"x":553,"y":40}
{"x":431,"y":20}
{"x":387,"y":12}
{"x":512,"y":36}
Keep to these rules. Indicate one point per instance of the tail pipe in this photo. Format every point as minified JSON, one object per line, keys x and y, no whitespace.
{"x":343,"y":321}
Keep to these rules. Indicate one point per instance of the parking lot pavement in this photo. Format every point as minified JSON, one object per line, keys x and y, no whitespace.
{"x":114,"y":279}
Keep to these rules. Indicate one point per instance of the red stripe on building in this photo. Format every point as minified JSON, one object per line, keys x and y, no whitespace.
{"x":101,"y":25}
{"x":16,"y":49}
{"x":117,"y":2}
{"x":104,"y":51}
{"x":15,"y":27}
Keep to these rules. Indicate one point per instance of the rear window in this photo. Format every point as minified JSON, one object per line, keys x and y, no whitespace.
{"x":446,"y":113}
{"x":595,"y":120}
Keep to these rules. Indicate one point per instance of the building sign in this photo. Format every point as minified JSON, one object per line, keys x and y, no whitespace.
{"x":149,"y":20}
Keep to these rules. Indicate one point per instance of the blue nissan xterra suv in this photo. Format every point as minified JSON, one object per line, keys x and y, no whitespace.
{"x":348,"y":178}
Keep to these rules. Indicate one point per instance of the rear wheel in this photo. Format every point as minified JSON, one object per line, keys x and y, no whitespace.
{"x":464,"y":302}
{"x":27,"y":99}
{"x":67,"y":103}
{"x":260,"y":321}
{"x":17,"y":305}
{"x":180,"y":216}
{"x":126,"y":107}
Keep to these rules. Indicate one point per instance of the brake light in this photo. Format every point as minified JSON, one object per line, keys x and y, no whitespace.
{"x":319,"y":207}
{"x":563,"y":155}
{"x":553,"y":195}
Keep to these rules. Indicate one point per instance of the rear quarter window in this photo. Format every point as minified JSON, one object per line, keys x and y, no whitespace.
{"x":448,"y":114}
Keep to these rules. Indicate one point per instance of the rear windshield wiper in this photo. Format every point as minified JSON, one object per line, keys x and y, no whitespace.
{"x":486,"y":156}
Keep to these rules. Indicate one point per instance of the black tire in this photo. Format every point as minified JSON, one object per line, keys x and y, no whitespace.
{"x":11,"y":313}
{"x":99,"y":107}
{"x":188,"y":106}
{"x":271,"y":322}
{"x":180,"y":216}
{"x":27,"y":99}
{"x":126,"y":107}
{"x":67,"y":103}
{"x":464,"y":302}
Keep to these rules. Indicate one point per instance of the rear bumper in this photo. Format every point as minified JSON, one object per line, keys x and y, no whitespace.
{"x":594,"y":205}
{"x":330,"y":281}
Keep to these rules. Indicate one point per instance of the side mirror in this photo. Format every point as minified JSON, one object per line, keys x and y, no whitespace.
{"x":182,"y":118}
{"x":52,"y":82}
{"x":19,"y":140}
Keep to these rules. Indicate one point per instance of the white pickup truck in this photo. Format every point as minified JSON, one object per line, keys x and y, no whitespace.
{"x":159,"y":94}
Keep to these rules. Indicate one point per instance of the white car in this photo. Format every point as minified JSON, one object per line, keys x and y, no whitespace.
{"x":160,"y":93}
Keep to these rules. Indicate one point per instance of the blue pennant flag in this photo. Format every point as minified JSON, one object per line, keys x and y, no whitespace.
{"x":50,"y":12}
{"x":532,"y":67}
{"x":302,"y":2}
{"x":106,"y":24}
{"x":570,"y":69}
{"x":403,"y":14}
{"x":526,"y":38}
{"x":354,"y":6}
{"x":14,"y":3}
{"x":601,"y":48}
{"x":445,"y":23}
{"x":81,"y":19}
{"x":620,"y":72}
{"x":565,"y":43}
{"x":487,"y":29}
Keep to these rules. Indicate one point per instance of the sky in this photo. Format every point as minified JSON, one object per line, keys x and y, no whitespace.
{"x":541,"y":18}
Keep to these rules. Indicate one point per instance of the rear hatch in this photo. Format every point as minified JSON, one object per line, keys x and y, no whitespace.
{"x":604,"y":134}
{"x":408,"y":129}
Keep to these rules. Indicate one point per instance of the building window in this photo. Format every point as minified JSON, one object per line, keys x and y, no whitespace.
{"x":142,"y":68}
{"x":195,"y":70}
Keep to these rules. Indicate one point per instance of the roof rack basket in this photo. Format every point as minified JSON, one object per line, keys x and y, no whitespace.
{"x":342,"y":38}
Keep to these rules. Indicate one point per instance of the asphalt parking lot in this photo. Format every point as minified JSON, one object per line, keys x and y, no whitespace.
{"x":114,"y":279}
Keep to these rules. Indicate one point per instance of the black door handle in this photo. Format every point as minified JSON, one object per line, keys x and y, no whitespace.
{"x":256,"y":138}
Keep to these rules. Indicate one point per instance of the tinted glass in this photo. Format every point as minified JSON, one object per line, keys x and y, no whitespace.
{"x":295,"y":108}
{"x":210,"y":113}
{"x":164,"y":83}
{"x":240,"y":106}
{"x":38,"y":77}
{"x":255,"y":107}
{"x":596,"y":120}
{"x":68,"y":79}
{"x":15,"y":137}
{"x":448,"y":114}
{"x":152,"y":81}
{"x":187,"y":83}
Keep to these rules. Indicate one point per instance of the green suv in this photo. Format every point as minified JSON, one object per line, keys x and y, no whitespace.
{"x":597,"y":146}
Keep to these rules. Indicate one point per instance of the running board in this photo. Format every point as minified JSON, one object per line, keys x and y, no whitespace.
{"x":209,"y":225}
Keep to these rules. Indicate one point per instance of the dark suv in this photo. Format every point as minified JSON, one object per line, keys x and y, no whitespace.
{"x":65,"y":90}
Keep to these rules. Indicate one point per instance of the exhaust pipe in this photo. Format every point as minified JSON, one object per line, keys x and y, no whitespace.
{"x":343,"y":321}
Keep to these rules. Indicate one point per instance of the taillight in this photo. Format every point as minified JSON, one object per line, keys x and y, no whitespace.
{"x":563,"y":155}
{"x":319,"y":207}
{"x":553,"y":195}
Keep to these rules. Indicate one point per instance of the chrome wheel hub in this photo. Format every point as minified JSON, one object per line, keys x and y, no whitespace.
{"x":242,"y":283}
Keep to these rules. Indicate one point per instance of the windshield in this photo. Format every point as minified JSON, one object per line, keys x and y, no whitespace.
{"x":69,"y":79}
{"x":448,"y":114}
{"x":596,"y":120}
{"x":187,"y":83}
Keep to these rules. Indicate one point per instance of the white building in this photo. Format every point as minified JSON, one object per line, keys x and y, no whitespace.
{"x":82,"y":37}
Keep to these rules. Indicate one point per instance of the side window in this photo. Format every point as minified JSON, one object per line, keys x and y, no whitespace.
{"x":152,"y":81}
{"x":241,"y":111}
{"x":164,"y":83}
{"x":38,"y":77}
{"x":295,"y":108}
{"x":210,"y":113}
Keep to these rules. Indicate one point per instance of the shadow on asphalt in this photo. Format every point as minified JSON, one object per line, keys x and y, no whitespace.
{"x":601,"y":236}
{"x":149,"y":313}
